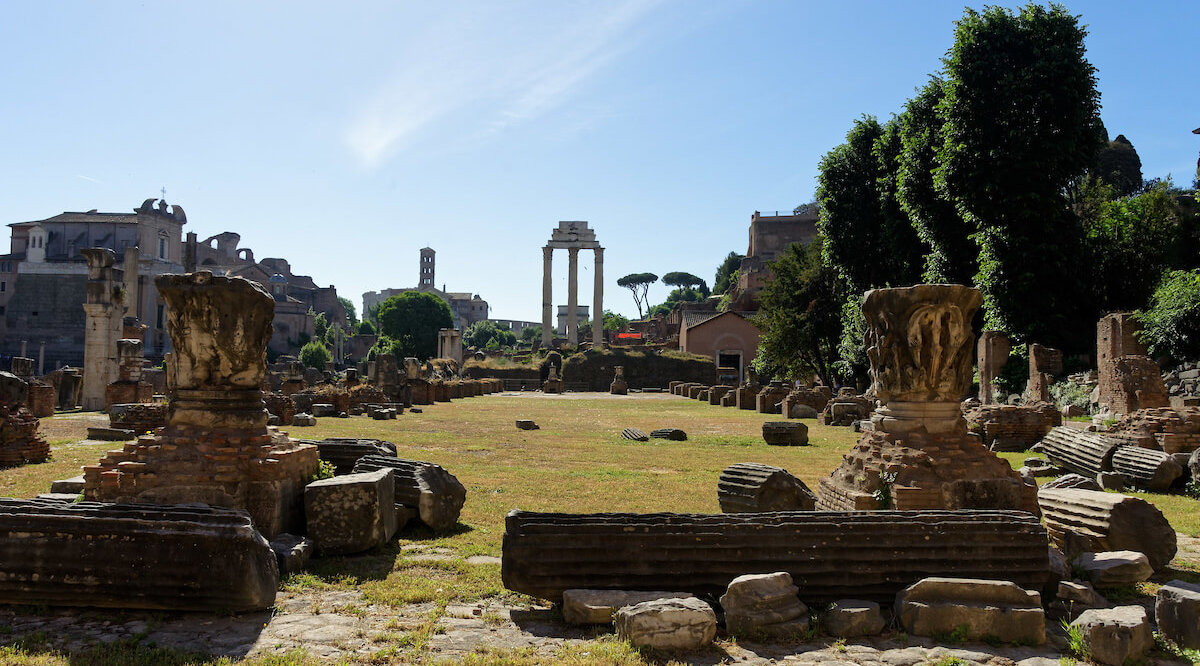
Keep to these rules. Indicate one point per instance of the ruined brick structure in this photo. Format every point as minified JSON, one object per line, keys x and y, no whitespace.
{"x":918,"y":453}
{"x":1173,"y":430}
{"x":1012,"y":427}
{"x":1044,"y":364}
{"x":216,"y":447}
{"x":20,"y":442}
{"x":1129,"y":379}
{"x":129,"y":387}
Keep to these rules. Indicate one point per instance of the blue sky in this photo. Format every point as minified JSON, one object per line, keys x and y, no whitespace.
{"x":346,"y":138}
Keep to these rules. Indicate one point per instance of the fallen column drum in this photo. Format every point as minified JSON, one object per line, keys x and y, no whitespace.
{"x":830,"y":555}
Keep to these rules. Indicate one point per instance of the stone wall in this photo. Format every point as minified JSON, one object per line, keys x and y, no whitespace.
{"x":1012,"y":427}
{"x":47,"y":307}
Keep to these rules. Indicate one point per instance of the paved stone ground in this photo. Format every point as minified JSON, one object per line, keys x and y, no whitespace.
{"x":342,"y":626}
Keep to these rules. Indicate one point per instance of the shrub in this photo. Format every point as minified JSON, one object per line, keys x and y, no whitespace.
{"x":314,"y":355}
{"x":1171,"y":325}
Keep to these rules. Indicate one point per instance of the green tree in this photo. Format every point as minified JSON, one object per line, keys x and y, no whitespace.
{"x":614,"y":322}
{"x":686,"y":281}
{"x":1021,"y":126}
{"x":365,"y":328}
{"x":638,"y":284}
{"x":867,"y":237}
{"x":1171,"y":325}
{"x":1130,"y":242}
{"x":314,"y":355}
{"x":410,"y":321}
{"x":952,"y":256}
{"x":481,"y":334}
{"x":724,"y":281}
{"x":800,"y":317}
{"x":351,"y":312}
{"x":320,"y":324}
{"x":1120,"y":167}
{"x":531,"y":333}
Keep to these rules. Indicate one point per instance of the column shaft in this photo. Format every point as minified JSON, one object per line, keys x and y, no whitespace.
{"x":572,"y":294}
{"x":598,"y":301}
{"x":547,"y":295}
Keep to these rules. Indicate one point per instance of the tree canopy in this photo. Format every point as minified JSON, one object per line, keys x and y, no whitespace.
{"x":1022,"y":125}
{"x":723,"y":280}
{"x":685,"y":281}
{"x":410,"y":323}
{"x":638,"y":284}
{"x":481,"y":335}
{"x":801,"y":316}
{"x":351,"y":312}
{"x":867,"y":237}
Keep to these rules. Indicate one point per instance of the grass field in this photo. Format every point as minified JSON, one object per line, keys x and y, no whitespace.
{"x":576,"y":462}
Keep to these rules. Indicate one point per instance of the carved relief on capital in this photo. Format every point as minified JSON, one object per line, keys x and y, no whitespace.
{"x":919,"y":341}
{"x":219,"y":328}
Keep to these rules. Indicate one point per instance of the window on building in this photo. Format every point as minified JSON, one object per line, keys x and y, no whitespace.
{"x":3,"y":287}
{"x":158,"y":319}
{"x":162,"y":247}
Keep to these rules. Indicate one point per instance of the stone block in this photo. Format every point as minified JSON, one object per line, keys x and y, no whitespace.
{"x":988,"y":608}
{"x":785,"y":433}
{"x":1116,"y":568}
{"x":848,"y":618}
{"x":526,"y":424}
{"x":344,"y":452}
{"x":750,"y":487}
{"x":73,"y":485}
{"x":853,"y":554}
{"x":435,"y":494}
{"x":673,"y":434}
{"x":598,"y":606}
{"x":323,"y":409}
{"x":1146,"y":468}
{"x":291,"y":552}
{"x":171,"y":557}
{"x":1072,"y":481}
{"x":1115,"y":636}
{"x":764,"y":604}
{"x":633,"y":434}
{"x":667,"y":624}
{"x":352,"y":513}
{"x":1092,"y":521}
{"x":303,"y":420}
{"x":1177,"y":611}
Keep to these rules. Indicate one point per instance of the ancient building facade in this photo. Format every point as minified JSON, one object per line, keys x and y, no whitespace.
{"x":466,"y":308}
{"x":726,"y":337}
{"x":45,"y":286}
{"x":44,"y":276}
{"x":770,"y":235}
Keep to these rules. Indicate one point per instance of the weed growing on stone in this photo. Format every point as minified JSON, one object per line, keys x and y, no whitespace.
{"x":1076,"y":645}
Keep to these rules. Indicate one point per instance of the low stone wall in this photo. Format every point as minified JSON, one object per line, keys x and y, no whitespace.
{"x":1013,"y":427}
{"x":596,"y":369}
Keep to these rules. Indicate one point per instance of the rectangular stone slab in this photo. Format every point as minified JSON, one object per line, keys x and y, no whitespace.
{"x":831,"y":555}
{"x":148,"y":556}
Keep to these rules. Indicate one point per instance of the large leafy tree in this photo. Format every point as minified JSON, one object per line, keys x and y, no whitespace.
{"x":868,"y":238}
{"x":409,"y":323}
{"x":952,"y":256}
{"x":351,"y":312}
{"x":684,"y":280}
{"x":1021,"y":126}
{"x":638,"y":284}
{"x":800,"y":317}
{"x":1130,"y":242}
{"x":481,"y":334}
{"x":1172,"y":322}
{"x":1120,"y":167}
{"x":723,"y":281}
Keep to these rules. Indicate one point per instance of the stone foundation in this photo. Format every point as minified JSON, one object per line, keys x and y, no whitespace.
{"x":122,"y":393}
{"x":41,"y":399}
{"x":1013,"y":427}
{"x":140,"y":418}
{"x":944,"y":471}
{"x":20,"y":442}
{"x":262,"y":472}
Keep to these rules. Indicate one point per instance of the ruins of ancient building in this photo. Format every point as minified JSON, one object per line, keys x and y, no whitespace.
{"x":216,"y":447}
{"x":1129,"y":379}
{"x":20,"y":442}
{"x":128,"y":387}
{"x":918,"y":453}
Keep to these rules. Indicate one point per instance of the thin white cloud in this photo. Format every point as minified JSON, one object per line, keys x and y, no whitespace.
{"x":483,"y":71}
{"x":89,"y":178}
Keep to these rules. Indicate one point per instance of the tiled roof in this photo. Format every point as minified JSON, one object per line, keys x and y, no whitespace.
{"x":692,"y":318}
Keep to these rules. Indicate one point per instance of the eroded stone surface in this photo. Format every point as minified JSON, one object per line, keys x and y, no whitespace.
{"x":598,"y":606}
{"x":1115,"y":568}
{"x":1116,"y":635}
{"x":1177,"y":611}
{"x":849,"y":618}
{"x":764,"y":604}
{"x":351,"y":513}
{"x":986,"y":607}
{"x":667,"y":624}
